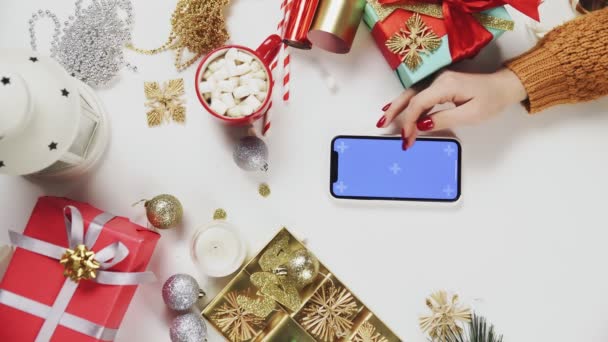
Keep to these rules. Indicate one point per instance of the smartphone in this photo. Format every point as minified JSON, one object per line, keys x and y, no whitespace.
{"x":377,"y":168}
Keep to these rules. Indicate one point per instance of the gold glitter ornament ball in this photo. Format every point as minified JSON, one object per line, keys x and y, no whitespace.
{"x":302,"y":268}
{"x":164,"y":211}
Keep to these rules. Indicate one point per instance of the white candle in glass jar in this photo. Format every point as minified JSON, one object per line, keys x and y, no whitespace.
{"x":218,"y":250}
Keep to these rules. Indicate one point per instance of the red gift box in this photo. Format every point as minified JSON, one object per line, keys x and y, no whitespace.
{"x":40,"y":278}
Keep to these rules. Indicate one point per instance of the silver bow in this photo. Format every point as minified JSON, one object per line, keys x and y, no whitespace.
{"x":108,"y":257}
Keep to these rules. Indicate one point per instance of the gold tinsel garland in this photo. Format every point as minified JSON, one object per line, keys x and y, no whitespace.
{"x":196,"y":25}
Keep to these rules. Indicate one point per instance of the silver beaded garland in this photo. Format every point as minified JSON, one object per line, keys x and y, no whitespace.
{"x":189,"y":327}
{"x":251,"y":154}
{"x":91,"y":47}
{"x":181,"y":291}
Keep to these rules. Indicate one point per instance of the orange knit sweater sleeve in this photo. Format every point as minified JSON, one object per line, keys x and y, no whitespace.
{"x":569,"y":65}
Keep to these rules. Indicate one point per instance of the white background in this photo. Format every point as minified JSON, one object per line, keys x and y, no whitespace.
{"x":526,"y":247}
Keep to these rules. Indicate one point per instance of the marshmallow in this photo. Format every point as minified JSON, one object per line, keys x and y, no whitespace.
{"x":252,"y":102}
{"x":216,"y":93}
{"x":217,"y":64}
{"x":260,"y":74}
{"x":256,"y":84}
{"x":231,"y":54}
{"x":242,"y":91}
{"x":244,"y":79}
{"x":255,"y":66}
{"x":221,"y":74}
{"x":245,"y":109}
{"x":261,"y":95}
{"x":240,"y":70}
{"x":234,"y":112}
{"x":228,"y":99}
{"x":218,"y":106}
{"x":206,"y":87}
{"x":244,"y":57}
{"x":228,"y":85}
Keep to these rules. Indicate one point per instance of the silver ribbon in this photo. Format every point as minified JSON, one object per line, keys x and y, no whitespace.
{"x":108,"y":257}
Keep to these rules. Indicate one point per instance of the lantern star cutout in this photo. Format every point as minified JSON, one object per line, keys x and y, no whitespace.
{"x":165,"y":104}
{"x":412,"y":41}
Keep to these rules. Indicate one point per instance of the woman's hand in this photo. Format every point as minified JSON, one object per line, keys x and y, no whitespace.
{"x":477,"y":97}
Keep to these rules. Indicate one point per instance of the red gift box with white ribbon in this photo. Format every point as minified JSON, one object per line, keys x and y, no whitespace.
{"x":42,"y":299}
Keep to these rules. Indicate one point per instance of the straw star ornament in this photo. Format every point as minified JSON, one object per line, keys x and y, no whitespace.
{"x":446,"y":314}
{"x":413,"y":41}
{"x":238,"y":323}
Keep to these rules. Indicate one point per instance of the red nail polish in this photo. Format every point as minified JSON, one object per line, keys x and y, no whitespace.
{"x":425,"y":124}
{"x":404,"y":145}
{"x":381,"y":121}
{"x":387,"y":106}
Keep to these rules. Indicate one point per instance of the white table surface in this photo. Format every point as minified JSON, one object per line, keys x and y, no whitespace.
{"x":526,"y":247}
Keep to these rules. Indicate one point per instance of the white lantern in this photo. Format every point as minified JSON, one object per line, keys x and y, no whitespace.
{"x":51,"y":125}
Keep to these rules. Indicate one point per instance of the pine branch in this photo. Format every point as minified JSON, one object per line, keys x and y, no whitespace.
{"x":479,"y":330}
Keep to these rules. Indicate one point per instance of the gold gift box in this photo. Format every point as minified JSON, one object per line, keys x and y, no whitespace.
{"x":285,"y":326}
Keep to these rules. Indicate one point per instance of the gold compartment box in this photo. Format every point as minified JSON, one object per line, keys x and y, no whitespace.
{"x":282,"y":325}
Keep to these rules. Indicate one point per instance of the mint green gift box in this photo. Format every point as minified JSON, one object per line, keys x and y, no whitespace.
{"x":439,"y":58}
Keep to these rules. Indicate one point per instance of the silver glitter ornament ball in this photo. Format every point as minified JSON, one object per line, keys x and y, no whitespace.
{"x":251,"y":154}
{"x":189,"y":327}
{"x":181,"y":291}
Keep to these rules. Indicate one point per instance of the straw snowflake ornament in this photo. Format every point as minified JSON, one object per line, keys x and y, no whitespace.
{"x":328,"y":314}
{"x":367,"y":333}
{"x":412,"y":41}
{"x":165,"y":103}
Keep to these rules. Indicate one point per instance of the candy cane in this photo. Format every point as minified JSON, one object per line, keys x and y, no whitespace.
{"x":284,"y":55}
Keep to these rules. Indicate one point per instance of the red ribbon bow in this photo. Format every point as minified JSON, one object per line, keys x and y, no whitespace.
{"x":466,"y":35}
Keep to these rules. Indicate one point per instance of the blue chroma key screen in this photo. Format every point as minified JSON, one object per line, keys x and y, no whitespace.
{"x":378,"y":168}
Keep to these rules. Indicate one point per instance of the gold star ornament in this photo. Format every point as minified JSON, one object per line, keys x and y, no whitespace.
{"x":79,"y":263}
{"x":411,"y":42}
{"x":165,"y":103}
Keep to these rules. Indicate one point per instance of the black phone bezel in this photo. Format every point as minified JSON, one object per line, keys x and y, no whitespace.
{"x":334,"y":170}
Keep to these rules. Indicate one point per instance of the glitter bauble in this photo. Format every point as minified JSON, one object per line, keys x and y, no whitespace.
{"x":189,"y":327}
{"x":302,"y":268}
{"x":251,"y":154}
{"x":181,"y":291}
{"x":164,"y":211}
